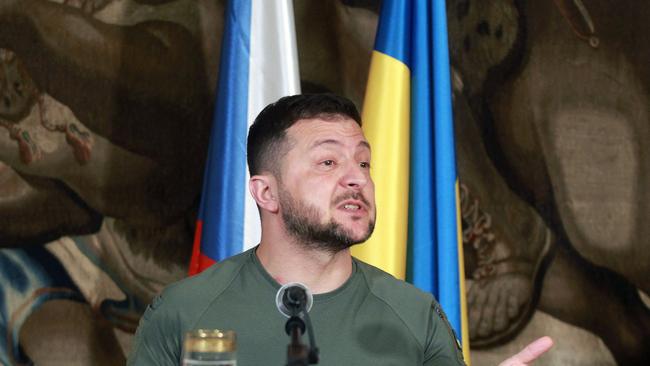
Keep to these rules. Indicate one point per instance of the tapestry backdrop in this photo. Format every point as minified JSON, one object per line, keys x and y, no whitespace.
{"x":105,"y":112}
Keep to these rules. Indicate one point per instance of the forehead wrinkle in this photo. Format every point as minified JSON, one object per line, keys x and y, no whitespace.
{"x":318,"y":143}
{"x":365,"y":144}
{"x":318,"y":132}
{"x":334,"y":142}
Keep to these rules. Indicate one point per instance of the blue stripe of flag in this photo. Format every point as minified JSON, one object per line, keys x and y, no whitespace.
{"x":445,"y":172}
{"x":433,"y":235}
{"x":393,"y":38}
{"x":222,"y":202}
{"x":422,"y":204}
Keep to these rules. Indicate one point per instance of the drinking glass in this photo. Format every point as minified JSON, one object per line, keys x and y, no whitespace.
{"x":209,"y":347}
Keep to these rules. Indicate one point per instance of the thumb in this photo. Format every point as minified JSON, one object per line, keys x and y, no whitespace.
{"x":530,"y":353}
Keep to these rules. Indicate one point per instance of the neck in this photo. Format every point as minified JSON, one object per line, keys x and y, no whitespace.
{"x":321,"y":271}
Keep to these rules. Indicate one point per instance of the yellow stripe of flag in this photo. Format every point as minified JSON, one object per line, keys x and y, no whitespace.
{"x":464,"y":328}
{"x":386,"y":124}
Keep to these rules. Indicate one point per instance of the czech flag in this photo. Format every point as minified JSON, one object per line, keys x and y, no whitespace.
{"x":407,"y":117}
{"x":259,"y":65}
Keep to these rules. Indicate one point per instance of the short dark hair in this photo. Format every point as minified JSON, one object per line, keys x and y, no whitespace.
{"x":267,"y":135}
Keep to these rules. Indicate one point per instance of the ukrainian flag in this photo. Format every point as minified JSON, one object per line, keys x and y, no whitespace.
{"x":408,"y":121}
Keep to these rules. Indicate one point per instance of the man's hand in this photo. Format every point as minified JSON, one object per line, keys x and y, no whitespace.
{"x":529,"y":354}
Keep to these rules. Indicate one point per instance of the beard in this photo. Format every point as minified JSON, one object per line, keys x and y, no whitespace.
{"x":302,"y":221}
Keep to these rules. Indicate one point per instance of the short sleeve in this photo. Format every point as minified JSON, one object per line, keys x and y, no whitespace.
{"x":442,"y":348}
{"x":157,"y":340}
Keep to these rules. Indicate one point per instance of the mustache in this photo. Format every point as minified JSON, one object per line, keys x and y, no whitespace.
{"x":352,"y":195}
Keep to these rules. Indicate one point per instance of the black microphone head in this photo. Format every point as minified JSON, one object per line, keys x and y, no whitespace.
{"x":292,"y":298}
{"x":295,"y":298}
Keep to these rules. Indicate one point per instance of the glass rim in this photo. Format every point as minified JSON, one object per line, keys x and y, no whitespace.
{"x":209,"y":333}
{"x":209,"y":340}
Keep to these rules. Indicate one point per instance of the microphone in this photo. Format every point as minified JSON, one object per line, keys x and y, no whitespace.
{"x":293,"y":298}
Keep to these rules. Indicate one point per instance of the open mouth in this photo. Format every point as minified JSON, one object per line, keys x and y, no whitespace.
{"x":353,"y":206}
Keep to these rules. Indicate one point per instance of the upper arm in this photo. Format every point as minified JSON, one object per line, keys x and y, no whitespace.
{"x":157,"y":340}
{"x":442,"y":346}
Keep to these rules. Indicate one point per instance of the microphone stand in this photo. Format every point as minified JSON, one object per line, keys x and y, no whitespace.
{"x":298,"y":354}
{"x":296,"y":350}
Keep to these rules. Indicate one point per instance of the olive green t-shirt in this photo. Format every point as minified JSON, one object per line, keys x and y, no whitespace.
{"x":372,"y":319}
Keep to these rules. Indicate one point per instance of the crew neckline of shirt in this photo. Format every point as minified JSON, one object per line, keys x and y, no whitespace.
{"x":317,"y":297}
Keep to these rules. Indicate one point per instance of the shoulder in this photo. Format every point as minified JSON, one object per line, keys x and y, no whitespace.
{"x":177,"y":308}
{"x":391,"y":289}
{"x":199,"y":291}
{"x":410,"y":304}
{"x":419,"y":311}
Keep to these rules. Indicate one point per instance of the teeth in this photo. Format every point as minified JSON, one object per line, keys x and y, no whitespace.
{"x":351,"y":207}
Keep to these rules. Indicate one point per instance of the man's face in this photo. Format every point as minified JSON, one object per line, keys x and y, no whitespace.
{"x":326,"y":194}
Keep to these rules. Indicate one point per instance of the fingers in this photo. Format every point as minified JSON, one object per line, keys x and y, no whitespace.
{"x":530,"y":353}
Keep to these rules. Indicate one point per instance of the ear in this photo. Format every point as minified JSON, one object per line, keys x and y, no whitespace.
{"x":263,"y":188}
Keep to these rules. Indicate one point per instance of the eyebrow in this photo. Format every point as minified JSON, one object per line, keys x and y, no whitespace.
{"x":336,"y":142}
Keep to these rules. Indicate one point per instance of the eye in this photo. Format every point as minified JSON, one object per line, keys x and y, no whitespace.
{"x":365,"y":164}
{"x":328,"y":162}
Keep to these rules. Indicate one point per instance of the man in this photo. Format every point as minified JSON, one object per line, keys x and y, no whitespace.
{"x":310,"y":176}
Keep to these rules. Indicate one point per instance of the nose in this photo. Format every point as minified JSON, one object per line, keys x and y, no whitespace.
{"x":355,"y":177}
